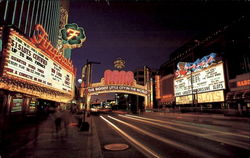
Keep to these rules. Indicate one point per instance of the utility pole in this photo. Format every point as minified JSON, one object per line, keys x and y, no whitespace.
{"x":87,"y":77}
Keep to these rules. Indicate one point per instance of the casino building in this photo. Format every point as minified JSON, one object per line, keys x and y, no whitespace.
{"x":34,"y":72}
{"x":231,"y":46}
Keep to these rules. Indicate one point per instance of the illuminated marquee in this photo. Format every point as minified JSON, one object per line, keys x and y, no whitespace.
{"x":41,"y":41}
{"x":209,"y":97}
{"x":210,"y":79}
{"x":26,"y":63}
{"x":118,"y":82}
{"x":117,"y":88}
{"x":157,"y":87}
{"x":118,"y":77}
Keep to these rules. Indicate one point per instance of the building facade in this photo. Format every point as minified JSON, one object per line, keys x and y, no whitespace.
{"x":231,"y":45}
{"x":34,"y":74}
{"x":144,"y":76}
{"x":24,"y":15}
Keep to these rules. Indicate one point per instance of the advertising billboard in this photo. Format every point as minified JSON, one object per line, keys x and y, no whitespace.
{"x":208,"y":79}
{"x":26,"y":62}
{"x":208,"y":97}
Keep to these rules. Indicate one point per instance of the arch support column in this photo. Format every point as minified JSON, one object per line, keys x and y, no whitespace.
{"x":88,"y":99}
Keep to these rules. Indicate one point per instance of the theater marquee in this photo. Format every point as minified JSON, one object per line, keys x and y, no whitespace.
{"x":29,"y":63}
{"x":209,"y":79}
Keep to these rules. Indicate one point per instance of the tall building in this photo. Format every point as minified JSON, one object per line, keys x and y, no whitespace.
{"x":34,"y":74}
{"x":143,"y":76}
{"x":24,"y":15}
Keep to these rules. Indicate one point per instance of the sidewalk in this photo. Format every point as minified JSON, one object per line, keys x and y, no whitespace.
{"x":69,"y":142}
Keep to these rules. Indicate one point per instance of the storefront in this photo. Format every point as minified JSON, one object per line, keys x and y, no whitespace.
{"x":238,"y":98}
{"x":33,"y":76}
{"x":164,"y":91}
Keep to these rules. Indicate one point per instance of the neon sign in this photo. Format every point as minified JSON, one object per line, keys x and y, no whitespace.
{"x":185,"y":68}
{"x":118,"y":77}
{"x":72,"y":33}
{"x":157,"y":87}
{"x":41,"y":41}
{"x":243,"y":83}
{"x":73,"y":36}
{"x":117,"y":88}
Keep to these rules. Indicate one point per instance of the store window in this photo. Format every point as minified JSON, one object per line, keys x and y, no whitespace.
{"x":32,"y":105}
{"x":16,"y":104}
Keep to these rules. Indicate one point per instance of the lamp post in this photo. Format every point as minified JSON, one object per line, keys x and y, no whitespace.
{"x":87,"y":77}
{"x":80,"y":81}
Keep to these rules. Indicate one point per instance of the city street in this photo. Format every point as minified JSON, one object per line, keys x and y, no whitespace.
{"x":179,"y":135}
{"x":151,"y":134}
{"x":124,"y":79}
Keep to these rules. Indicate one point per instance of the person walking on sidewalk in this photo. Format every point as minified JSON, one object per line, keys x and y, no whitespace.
{"x":57,"y":120}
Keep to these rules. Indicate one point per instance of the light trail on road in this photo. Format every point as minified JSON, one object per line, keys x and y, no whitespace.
{"x":183,"y":125}
{"x":209,"y":137}
{"x":150,"y":153}
{"x":167,"y":141}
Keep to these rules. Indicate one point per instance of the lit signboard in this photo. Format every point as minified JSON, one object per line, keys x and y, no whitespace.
{"x":185,"y":68}
{"x":16,"y":105}
{"x":117,"y":88}
{"x":157,"y":87}
{"x":215,"y":96}
{"x":243,"y":83}
{"x":118,"y":77}
{"x":184,"y":99}
{"x":73,"y":36}
{"x":25,"y":61}
{"x":208,"y":97}
{"x":209,"y":79}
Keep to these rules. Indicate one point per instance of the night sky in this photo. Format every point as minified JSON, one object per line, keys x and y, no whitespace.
{"x":143,"y":32}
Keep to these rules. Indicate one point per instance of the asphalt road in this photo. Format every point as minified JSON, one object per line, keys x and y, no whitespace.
{"x":175,"y":135}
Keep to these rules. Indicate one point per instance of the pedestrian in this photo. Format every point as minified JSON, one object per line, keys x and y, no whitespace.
{"x":57,"y":119}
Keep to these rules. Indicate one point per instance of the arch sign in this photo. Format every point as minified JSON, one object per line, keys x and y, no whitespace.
{"x":119,"y":82}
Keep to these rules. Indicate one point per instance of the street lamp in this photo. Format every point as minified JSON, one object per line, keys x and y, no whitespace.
{"x":84,"y":126}
{"x":80,"y":88}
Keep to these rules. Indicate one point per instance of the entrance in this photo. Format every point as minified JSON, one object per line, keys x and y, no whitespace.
{"x":118,"y":82}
